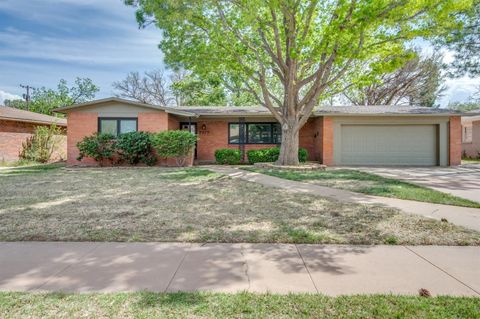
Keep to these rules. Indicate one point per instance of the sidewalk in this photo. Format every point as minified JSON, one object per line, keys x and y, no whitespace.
{"x":276,"y":268}
{"x":462,"y":216}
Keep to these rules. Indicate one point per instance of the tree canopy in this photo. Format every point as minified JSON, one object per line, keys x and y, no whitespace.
{"x":291,"y":54}
{"x":465,"y":43}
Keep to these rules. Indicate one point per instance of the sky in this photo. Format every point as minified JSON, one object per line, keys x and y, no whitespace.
{"x":43,"y":41}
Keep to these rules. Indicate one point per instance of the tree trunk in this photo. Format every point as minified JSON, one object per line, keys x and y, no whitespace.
{"x":289,"y":147}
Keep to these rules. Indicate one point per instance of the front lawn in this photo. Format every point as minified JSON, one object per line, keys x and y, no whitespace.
{"x":371,"y":184}
{"x":52,"y":203}
{"x":470,"y":160}
{"x":240,"y":305}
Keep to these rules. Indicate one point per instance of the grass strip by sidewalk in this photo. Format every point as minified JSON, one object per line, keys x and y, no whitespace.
{"x":240,"y":305}
{"x":370,"y":184}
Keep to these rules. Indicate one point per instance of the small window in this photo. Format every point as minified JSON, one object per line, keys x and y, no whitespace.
{"x":117,"y":126}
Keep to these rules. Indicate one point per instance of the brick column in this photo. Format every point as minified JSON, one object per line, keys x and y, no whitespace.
{"x":80,"y":124}
{"x":327,"y":138}
{"x":455,"y":140}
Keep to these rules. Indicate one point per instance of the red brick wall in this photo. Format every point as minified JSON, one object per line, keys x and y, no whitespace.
{"x":327,"y":141}
{"x":14,"y":133}
{"x":455,"y":140}
{"x":153,"y":121}
{"x":80,"y":124}
{"x":215,"y":136}
{"x":173,"y":122}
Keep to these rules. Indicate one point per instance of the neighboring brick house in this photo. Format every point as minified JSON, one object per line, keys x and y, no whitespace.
{"x":471,"y":136}
{"x":18,"y":125}
{"x":360,"y":135}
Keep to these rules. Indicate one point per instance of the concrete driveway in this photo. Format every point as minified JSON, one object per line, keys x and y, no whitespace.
{"x":462,"y":181}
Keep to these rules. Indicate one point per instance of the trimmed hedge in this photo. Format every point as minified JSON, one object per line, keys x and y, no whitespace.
{"x":271,"y":155}
{"x":227,"y":156}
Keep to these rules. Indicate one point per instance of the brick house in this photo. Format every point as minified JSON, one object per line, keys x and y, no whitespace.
{"x":471,"y":136}
{"x":18,"y":125}
{"x":366,"y":135}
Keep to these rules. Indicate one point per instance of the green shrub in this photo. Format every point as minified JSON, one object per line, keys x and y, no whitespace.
{"x":271,"y":155}
{"x":174,"y":144}
{"x":135,"y":147}
{"x":41,"y":145}
{"x":302,"y":155}
{"x":99,"y":146}
{"x":227,"y":156}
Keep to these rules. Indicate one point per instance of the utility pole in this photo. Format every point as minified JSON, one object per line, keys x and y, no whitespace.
{"x":26,"y":97}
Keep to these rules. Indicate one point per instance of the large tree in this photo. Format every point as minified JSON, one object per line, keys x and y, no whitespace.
{"x":417,"y":82}
{"x":465,"y":43}
{"x":44,"y":100}
{"x":291,"y":54}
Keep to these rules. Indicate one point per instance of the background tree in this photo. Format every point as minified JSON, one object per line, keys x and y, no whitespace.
{"x":44,"y":100}
{"x":472,"y":105}
{"x":465,"y":42}
{"x":182,"y":88}
{"x":151,"y":88}
{"x":303,"y":47}
{"x":417,"y":82}
{"x":192,"y":90}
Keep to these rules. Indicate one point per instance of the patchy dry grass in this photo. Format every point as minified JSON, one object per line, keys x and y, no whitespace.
{"x":240,"y":305}
{"x":371,"y":184}
{"x":197,"y":205}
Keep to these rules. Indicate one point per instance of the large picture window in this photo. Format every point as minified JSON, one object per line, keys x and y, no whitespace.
{"x":117,"y":126}
{"x":254,"y":133}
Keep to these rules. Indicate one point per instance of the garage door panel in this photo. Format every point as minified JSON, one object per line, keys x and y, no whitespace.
{"x":389,"y":145}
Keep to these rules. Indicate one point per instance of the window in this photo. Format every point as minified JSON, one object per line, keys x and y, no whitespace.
{"x":117,"y":126}
{"x":254,"y":133}
{"x":467,"y":134}
{"x":234,"y":133}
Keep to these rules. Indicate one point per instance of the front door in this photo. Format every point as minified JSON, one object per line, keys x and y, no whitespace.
{"x":192,"y":127}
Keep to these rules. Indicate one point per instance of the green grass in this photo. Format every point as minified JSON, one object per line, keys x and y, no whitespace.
{"x":33,"y":168}
{"x":240,"y":305}
{"x":370,"y":184}
{"x":470,"y":160}
{"x":55,"y":203}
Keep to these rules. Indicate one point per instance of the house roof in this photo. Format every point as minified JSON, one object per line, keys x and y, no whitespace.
{"x":387,"y":110}
{"x":13,"y":114}
{"x":167,"y":109}
{"x":217,"y":111}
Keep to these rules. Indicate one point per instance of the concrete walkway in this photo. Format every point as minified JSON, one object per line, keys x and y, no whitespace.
{"x":463,"y":216}
{"x":277,"y":268}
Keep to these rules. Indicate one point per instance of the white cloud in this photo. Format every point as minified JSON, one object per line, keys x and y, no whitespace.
{"x":459,"y":90}
{"x":7,"y":96}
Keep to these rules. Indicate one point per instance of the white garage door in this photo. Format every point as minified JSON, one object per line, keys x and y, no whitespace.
{"x":389,"y":145}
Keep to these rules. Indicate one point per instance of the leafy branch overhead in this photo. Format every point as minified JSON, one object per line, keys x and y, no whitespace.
{"x":291,"y":54}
